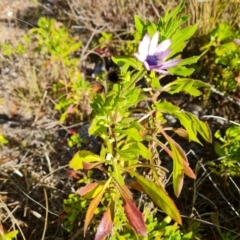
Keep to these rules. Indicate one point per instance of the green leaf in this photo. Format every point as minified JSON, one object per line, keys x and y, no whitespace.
{"x":159,"y":196}
{"x":218,"y":149}
{"x":155,"y":83}
{"x":201,"y":127}
{"x":177,"y":10}
{"x":187,"y":236}
{"x":143,"y":151}
{"x":139,"y":24}
{"x":190,"y":122}
{"x":9,"y":236}
{"x":190,"y":60}
{"x":181,"y":71}
{"x":3,"y":140}
{"x":173,"y":25}
{"x":133,"y":150}
{"x":121,"y":60}
{"x":133,"y":133}
{"x":83,"y":156}
{"x":180,"y":37}
{"x":178,"y":169}
{"x":151,"y":28}
{"x":170,"y":21}
{"x":167,"y":107}
{"x":187,"y":170}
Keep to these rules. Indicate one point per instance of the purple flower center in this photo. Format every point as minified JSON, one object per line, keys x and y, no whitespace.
{"x":151,"y":60}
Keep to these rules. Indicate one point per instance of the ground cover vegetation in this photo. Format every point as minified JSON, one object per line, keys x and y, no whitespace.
{"x":120,"y":120}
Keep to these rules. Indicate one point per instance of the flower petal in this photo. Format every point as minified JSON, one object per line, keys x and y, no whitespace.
{"x":157,"y":69}
{"x":143,"y":46}
{"x":164,"y":45}
{"x":170,"y":63}
{"x":146,"y":65}
{"x":153,"y":44}
{"x":162,"y":55}
{"x":140,"y":58}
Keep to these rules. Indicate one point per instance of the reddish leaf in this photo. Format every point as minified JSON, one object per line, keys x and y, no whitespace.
{"x":187,"y":170}
{"x":105,"y":225}
{"x":135,"y":185}
{"x":88,"y":166}
{"x":73,"y":174}
{"x":93,"y":205}
{"x":180,"y":131}
{"x":159,"y":196}
{"x":72,"y":131}
{"x":124,"y":191}
{"x":88,"y":190}
{"x":70,"y":109}
{"x":135,"y":217}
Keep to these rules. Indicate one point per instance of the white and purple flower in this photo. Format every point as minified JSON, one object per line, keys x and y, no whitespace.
{"x":152,"y":54}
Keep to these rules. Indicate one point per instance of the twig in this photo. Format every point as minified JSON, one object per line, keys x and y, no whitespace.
{"x":33,"y":199}
{"x":46,"y":217}
{"x":12,"y":218}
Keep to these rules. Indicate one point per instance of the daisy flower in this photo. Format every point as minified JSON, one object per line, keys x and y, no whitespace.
{"x":152,"y":54}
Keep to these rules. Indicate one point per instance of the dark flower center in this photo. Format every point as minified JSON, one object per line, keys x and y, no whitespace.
{"x":151,"y":60}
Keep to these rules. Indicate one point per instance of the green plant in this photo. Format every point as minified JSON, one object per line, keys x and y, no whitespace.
{"x":228,"y":148}
{"x":224,"y":58}
{"x":59,"y":50}
{"x":163,"y":230}
{"x":129,"y":143}
{"x":54,"y":52}
{"x":3,"y":140}
{"x":7,"y":236}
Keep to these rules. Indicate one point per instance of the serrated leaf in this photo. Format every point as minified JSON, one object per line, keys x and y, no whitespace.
{"x":202,"y":128}
{"x":93,"y":205}
{"x":105,"y":225}
{"x":170,"y":22}
{"x":167,"y":107}
{"x":181,"y":116}
{"x":133,"y":150}
{"x":180,"y":37}
{"x":159,"y":197}
{"x":189,"y":125}
{"x":173,"y":25}
{"x":181,"y":71}
{"x":187,"y":85}
{"x":134,"y":217}
{"x":177,"y":10}
{"x":121,"y":60}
